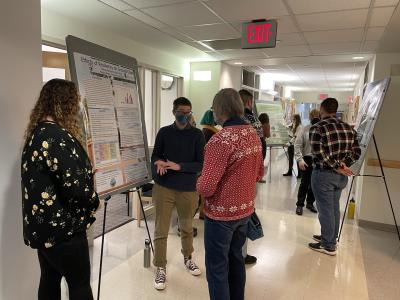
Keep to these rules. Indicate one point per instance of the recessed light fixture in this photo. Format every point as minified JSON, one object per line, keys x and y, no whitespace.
{"x":238,"y":63}
{"x":358,"y":57}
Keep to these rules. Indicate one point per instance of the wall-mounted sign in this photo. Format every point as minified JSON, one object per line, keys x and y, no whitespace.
{"x":323,"y":96}
{"x":259,"y":34}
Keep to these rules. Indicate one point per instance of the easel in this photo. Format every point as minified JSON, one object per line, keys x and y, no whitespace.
{"x":278,"y":146}
{"x":137,"y":189}
{"x":387,"y":191}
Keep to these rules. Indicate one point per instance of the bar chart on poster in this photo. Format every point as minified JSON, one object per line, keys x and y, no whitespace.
{"x":112,"y":115}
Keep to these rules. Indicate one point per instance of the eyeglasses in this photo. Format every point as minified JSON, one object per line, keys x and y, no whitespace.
{"x":184,"y":113}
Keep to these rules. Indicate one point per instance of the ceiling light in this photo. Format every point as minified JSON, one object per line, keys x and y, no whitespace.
{"x":238,"y":63}
{"x":358,"y":57}
{"x":46,"y":48}
{"x":206,"y":46}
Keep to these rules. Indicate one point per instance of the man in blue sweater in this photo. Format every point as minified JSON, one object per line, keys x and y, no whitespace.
{"x":177,"y":161}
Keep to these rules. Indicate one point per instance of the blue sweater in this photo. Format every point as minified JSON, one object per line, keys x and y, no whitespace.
{"x":184,"y":147}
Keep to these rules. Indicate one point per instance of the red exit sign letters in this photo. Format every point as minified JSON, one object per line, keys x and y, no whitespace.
{"x":259,"y":34}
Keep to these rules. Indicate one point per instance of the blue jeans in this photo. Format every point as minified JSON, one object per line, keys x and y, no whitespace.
{"x":226,"y":273}
{"x":327,"y":186}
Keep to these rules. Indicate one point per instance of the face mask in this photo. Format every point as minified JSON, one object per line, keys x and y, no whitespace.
{"x":181,"y":118}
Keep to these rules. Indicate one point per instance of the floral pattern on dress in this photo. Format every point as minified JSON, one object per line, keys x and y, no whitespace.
{"x":58,"y":196}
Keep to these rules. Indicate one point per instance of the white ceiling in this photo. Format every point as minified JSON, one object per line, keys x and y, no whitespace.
{"x":308,"y":30}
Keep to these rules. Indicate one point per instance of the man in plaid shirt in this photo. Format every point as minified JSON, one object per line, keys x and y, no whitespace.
{"x":335,"y":148}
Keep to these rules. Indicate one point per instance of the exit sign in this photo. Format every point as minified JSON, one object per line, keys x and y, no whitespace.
{"x":259,"y":34}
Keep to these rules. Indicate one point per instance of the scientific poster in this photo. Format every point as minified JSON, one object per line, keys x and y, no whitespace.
{"x":371,"y":105}
{"x":112,"y":117}
{"x":279,"y":132}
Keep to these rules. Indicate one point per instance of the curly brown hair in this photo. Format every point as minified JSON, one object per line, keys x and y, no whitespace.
{"x":59,"y":99}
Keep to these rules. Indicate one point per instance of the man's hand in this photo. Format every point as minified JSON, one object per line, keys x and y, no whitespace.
{"x":344,"y":170}
{"x":161,"y":167}
{"x":302,"y":165}
{"x":170,"y":165}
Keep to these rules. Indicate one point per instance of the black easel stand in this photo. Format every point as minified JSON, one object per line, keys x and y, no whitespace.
{"x":102,"y":244}
{"x":387,"y":192}
{"x":145,"y":219}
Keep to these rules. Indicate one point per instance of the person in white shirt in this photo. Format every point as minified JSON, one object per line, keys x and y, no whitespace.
{"x":294,"y":132}
{"x":302,"y":152}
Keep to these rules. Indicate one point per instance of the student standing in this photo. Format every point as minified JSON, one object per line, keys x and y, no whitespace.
{"x":177,"y":161}
{"x":59,"y":200}
{"x":233,"y":164}
{"x":251,"y":118}
{"x":295,"y":131}
{"x":335,"y":148}
{"x":303,"y":155}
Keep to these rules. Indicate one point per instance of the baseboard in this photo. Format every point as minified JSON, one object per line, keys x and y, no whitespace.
{"x":377,"y":225}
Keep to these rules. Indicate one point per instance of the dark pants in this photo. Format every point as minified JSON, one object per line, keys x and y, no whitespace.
{"x":290,"y":153}
{"x":327,"y":186}
{"x":264,"y":147}
{"x":69,"y":259}
{"x":305,"y":190}
{"x":226,"y":273}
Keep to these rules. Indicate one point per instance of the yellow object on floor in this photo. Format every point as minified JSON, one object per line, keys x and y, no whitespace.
{"x":352,"y":208}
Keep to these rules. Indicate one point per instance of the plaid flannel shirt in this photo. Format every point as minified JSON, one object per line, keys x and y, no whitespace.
{"x":333,"y":142}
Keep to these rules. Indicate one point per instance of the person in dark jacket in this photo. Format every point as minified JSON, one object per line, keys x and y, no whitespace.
{"x":208,"y":124}
{"x":58,"y":196}
{"x":177,"y":161}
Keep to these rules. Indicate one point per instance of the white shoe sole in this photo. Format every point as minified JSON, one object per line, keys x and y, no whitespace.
{"x":195,"y":273}
{"x":322,"y":250}
{"x":160,"y":286}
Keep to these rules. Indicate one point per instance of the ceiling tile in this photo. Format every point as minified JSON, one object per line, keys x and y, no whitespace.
{"x":243,"y":53}
{"x":381,"y":16}
{"x":375,"y":33}
{"x":288,"y":51}
{"x":152,"y":3}
{"x":312,"y":6}
{"x":117,"y":4}
{"x":198,"y":46}
{"x":137,"y":14}
{"x":290,"y":39}
{"x":185,"y":14}
{"x":211,"y":32}
{"x":370,"y":46}
{"x":174,"y":33}
{"x":333,"y":20}
{"x":349,"y":35}
{"x":239,"y":10}
{"x":386,"y":3}
{"x":337,"y":48}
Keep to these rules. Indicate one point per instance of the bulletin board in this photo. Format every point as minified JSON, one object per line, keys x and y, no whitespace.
{"x":112,"y":115}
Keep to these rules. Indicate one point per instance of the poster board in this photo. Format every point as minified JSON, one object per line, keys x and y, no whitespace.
{"x":112,"y":115}
{"x":372,"y":102}
{"x":279,"y":132}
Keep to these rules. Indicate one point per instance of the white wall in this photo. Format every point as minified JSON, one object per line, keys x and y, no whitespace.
{"x":20,"y":82}
{"x":231,"y":77}
{"x":313,"y":97}
{"x":374,"y":205}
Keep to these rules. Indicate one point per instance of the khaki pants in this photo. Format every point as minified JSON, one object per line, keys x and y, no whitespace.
{"x":165,"y":200}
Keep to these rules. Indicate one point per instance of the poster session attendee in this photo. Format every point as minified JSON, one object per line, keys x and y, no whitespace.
{"x":303,"y":155}
{"x":251,"y":118}
{"x":295,"y":130}
{"x":177,"y":161}
{"x":232,"y":166}
{"x":58,"y":197}
{"x":335,"y":148}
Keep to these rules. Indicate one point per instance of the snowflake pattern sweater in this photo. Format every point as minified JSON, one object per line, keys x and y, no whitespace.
{"x":232,"y":165}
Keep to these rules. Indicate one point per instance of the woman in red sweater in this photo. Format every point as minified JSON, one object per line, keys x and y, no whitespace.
{"x":232,"y":165}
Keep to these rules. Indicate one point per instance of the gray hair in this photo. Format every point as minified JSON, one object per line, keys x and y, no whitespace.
{"x":227,"y":103}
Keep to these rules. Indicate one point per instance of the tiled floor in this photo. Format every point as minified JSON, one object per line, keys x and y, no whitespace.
{"x":367,"y":265}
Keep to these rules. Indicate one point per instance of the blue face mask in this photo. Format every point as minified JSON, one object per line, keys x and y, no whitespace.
{"x":182,"y":118}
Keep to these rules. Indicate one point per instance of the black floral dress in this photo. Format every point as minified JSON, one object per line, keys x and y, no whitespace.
{"x":58,"y":197}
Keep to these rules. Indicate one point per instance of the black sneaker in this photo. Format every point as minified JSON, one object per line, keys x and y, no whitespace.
{"x":249,"y":259}
{"x":311,"y":208}
{"x":317,"y":238}
{"x":319,"y":248}
{"x":299,"y":210}
{"x":161,"y":278}
{"x":191,"y":266}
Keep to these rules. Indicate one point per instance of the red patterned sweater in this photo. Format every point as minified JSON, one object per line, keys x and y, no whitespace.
{"x":232,"y":165}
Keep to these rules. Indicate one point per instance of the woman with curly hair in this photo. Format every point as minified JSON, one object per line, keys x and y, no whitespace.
{"x":58,"y":196}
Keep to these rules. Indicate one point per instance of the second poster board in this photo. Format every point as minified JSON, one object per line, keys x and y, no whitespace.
{"x":113,"y":117}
